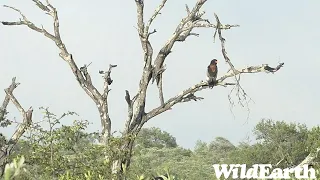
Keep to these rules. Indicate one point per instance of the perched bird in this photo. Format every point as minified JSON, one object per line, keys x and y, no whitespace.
{"x":212,"y":73}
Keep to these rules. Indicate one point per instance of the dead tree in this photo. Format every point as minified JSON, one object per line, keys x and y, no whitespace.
{"x":152,"y":71}
{"x":8,"y":145}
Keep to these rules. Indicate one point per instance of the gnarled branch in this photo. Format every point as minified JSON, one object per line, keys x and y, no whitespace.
{"x":107,"y":80}
{"x":130,"y":103}
{"x":156,"y":13}
{"x":183,"y":30}
{"x":82,"y":75}
{"x":27,"y":120}
{"x":143,"y":32}
{"x":224,"y":52}
{"x":184,"y":96}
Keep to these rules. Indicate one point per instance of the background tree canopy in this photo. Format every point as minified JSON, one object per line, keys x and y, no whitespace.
{"x":68,"y":152}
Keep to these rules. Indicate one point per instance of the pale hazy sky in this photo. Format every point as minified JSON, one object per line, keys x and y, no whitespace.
{"x":103,"y":32}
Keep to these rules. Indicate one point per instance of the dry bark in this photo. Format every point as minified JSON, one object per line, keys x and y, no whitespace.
{"x":8,"y":145}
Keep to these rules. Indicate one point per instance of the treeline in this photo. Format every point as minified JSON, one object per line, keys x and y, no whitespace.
{"x":69,"y":152}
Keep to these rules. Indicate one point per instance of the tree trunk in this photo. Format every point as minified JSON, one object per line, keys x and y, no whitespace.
{"x":121,"y":164}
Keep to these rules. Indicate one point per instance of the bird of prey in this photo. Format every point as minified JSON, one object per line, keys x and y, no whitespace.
{"x":212,"y":73}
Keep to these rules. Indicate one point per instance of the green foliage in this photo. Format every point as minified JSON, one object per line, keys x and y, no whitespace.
{"x":154,"y":137}
{"x":12,"y":170}
{"x":313,"y":140}
{"x":285,"y":141}
{"x":65,"y":151}
{"x":4,"y":121}
{"x":152,"y":160}
{"x":218,"y":150}
{"x":69,"y":153}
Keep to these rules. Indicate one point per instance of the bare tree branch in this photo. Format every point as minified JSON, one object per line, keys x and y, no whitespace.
{"x":184,"y":29}
{"x":181,"y":97}
{"x":130,"y":103}
{"x":224,"y":52}
{"x":192,"y":20}
{"x":27,"y":120}
{"x":156,"y":13}
{"x":6,"y":100}
{"x":139,"y":111}
{"x":166,"y":49}
{"x":42,"y":6}
{"x":130,"y":110}
{"x":187,"y":9}
{"x":81,"y":74}
{"x":135,"y":116}
{"x":107,"y":80}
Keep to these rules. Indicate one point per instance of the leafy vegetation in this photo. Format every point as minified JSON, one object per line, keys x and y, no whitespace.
{"x":69,"y":152}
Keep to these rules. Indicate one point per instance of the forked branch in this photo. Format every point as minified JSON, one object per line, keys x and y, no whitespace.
{"x":183,"y":30}
{"x":194,"y":19}
{"x":156,"y":13}
{"x":238,"y":86}
{"x":27,"y":120}
{"x":140,"y":102}
{"x":81,"y":74}
{"x":188,"y":94}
